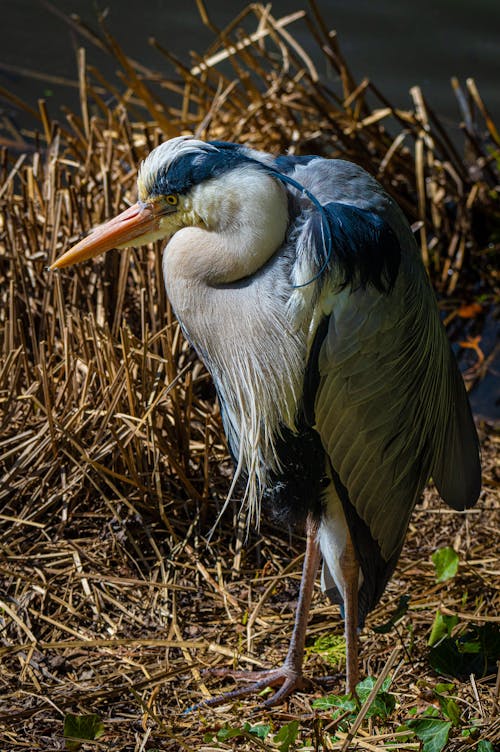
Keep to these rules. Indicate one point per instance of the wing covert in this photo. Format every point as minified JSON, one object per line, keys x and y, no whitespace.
{"x":387,"y":394}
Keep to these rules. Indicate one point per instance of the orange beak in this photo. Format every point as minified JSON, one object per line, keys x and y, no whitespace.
{"x":139,"y":220}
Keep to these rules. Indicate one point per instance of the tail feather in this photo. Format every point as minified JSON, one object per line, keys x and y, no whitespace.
{"x":457,"y":465}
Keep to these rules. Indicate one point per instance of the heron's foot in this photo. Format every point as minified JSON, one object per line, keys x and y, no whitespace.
{"x":286,"y":678}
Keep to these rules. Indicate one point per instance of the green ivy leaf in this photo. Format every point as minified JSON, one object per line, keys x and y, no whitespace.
{"x":432,"y":732}
{"x":445,"y":563}
{"x":78,"y":728}
{"x":443,"y":688}
{"x":448,"y":705}
{"x":442,"y":627}
{"x":451,"y":710}
{"x":340,"y":703}
{"x":365,"y":686}
{"x":287,"y":735}
{"x":431,"y":712}
{"x":407,"y":737}
{"x":471,"y":647}
{"x":261,"y":730}
{"x":230,"y":732}
{"x":471,"y":732}
{"x":383,"y":703}
{"x":485,"y":746}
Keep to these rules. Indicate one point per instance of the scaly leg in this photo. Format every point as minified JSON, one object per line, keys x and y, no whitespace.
{"x":289,"y":675}
{"x":350,"y":570}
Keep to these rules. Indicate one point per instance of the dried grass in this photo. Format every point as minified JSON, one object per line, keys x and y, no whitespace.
{"x":112,"y":459}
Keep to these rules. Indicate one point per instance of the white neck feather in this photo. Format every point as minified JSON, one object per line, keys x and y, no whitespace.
{"x":241,"y":221}
{"x":230,"y":290}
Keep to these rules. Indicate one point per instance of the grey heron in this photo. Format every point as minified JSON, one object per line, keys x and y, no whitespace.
{"x":300,"y":285}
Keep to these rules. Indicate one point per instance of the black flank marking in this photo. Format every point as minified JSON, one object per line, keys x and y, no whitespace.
{"x":364,"y":246}
{"x":296,"y":490}
{"x":311,"y":377}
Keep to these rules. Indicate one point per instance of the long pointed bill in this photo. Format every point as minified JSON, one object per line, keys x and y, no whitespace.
{"x":133,"y":223}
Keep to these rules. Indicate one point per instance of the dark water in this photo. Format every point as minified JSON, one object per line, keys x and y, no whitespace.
{"x":396,"y":43}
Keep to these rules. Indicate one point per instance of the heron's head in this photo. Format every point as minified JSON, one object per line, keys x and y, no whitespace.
{"x":184,"y":183}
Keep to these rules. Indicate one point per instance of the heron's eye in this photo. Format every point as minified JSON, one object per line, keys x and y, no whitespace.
{"x":172,"y":199}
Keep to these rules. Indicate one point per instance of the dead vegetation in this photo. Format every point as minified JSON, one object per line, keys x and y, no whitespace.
{"x":112,"y":460}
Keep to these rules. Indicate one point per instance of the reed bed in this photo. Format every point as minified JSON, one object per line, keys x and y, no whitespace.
{"x":113,"y":463}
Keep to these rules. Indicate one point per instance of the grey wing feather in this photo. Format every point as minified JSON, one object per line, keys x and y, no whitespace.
{"x":390,"y":403}
{"x":456,"y":468}
{"x":391,"y":407}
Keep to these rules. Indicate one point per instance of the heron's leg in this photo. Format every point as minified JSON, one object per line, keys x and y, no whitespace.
{"x":350,"y":570}
{"x":289,"y":675}
{"x":295,"y":655}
